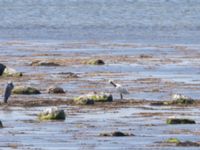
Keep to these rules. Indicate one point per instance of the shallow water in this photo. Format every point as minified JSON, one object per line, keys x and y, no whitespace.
{"x":164,"y":69}
{"x":81,"y":128}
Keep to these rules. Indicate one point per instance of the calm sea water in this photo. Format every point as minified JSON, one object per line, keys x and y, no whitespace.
{"x":143,"y":21}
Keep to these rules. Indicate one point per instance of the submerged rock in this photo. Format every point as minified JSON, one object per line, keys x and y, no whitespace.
{"x":69,"y":74}
{"x":1,"y":125}
{"x":188,"y":144}
{"x":116,"y":133}
{"x":25,"y":90}
{"x":179,"y":121}
{"x":55,"y":90}
{"x":95,"y":62}
{"x":177,"y":142}
{"x":44,"y":63}
{"x":93,"y":97}
{"x":145,"y":56}
{"x":53,"y":113}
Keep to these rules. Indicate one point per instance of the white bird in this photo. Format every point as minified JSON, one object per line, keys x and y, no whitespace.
{"x":120,"y":89}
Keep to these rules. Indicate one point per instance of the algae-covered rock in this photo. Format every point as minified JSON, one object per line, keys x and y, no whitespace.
{"x":115,"y":133}
{"x":1,"y":125}
{"x":101,"y":97}
{"x":55,"y":90}
{"x":44,"y":63}
{"x":179,"y":121}
{"x":11,"y":72}
{"x":53,"y":113}
{"x":83,"y":101}
{"x":25,"y":90}
{"x":93,"y":97}
{"x":177,"y":142}
{"x":95,"y":62}
{"x":173,"y":140}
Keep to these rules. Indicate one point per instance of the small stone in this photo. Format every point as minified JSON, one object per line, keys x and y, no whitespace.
{"x":116,"y":133}
{"x":179,"y":121}
{"x":96,"y":62}
{"x":55,"y":90}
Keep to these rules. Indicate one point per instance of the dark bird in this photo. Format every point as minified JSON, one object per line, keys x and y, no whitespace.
{"x":120,"y":89}
{"x":8,"y":90}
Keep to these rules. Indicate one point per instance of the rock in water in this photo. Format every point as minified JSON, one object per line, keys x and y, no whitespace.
{"x":116,"y":133}
{"x":173,"y":140}
{"x":6,"y":71}
{"x":95,"y":62}
{"x":93,"y":97}
{"x":53,"y":113}
{"x":25,"y":90}
{"x":55,"y":90}
{"x":177,"y":142}
{"x":44,"y":63}
{"x":179,"y":121}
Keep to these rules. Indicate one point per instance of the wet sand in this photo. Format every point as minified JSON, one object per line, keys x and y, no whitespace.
{"x":150,"y":72}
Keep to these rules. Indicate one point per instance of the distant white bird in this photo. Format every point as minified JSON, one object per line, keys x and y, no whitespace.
{"x":8,"y":90}
{"x":120,"y":89}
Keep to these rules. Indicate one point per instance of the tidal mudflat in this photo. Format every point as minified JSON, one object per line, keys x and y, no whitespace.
{"x":151,"y":73}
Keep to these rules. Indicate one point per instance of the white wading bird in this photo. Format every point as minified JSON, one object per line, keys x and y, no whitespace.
{"x":120,"y":89}
{"x":8,"y":90}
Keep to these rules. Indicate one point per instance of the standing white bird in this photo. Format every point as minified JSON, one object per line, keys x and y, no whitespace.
{"x":120,"y":89}
{"x":8,"y":90}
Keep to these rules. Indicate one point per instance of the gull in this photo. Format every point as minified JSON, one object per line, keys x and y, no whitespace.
{"x":8,"y":90}
{"x":120,"y":89}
